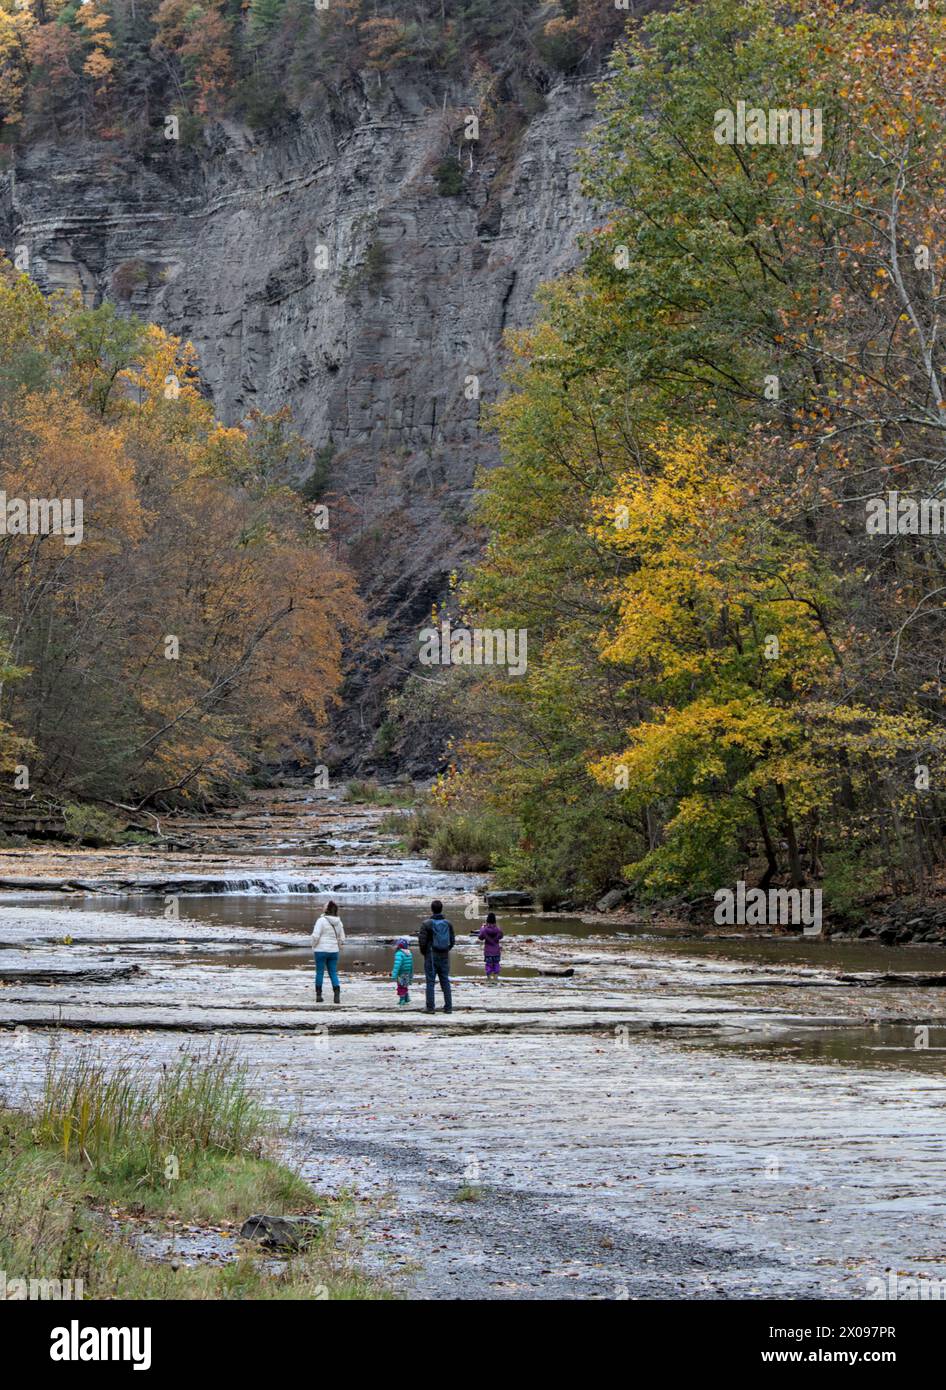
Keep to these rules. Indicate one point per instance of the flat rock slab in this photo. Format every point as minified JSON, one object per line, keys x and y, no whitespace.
{"x":603,"y":1158}
{"x":608,"y":1145}
{"x":39,"y":976}
{"x":244,"y":1021}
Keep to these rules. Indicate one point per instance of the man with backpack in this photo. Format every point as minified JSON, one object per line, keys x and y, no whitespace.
{"x":436,"y":940}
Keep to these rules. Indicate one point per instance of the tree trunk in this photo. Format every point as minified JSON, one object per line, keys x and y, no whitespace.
{"x":794,"y":858}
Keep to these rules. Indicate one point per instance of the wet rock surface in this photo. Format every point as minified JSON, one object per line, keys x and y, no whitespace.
{"x":505,"y":898}
{"x":289,"y":840}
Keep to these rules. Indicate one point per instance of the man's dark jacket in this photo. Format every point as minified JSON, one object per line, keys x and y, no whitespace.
{"x":426,"y":935}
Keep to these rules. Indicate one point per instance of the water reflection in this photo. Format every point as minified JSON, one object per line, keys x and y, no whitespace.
{"x":296,"y":912}
{"x":912,"y":1047}
{"x":814,"y":952}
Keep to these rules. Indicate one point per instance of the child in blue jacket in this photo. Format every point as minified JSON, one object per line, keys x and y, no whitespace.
{"x":403,"y":971}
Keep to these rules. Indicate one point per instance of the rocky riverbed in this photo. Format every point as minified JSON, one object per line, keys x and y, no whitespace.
{"x":625,"y":1115}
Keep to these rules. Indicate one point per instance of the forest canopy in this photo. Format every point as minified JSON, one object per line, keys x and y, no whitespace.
{"x":117,"y":68}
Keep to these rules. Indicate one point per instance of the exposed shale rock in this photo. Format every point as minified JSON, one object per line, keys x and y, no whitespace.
{"x":94,"y":976}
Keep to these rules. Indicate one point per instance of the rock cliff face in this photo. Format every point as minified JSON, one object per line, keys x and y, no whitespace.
{"x":323,"y":268}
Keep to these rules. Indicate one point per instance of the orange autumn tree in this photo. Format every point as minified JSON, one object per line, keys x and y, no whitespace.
{"x":196,"y":632}
{"x":17,"y":24}
{"x":199,"y":35}
{"x":93,"y":22}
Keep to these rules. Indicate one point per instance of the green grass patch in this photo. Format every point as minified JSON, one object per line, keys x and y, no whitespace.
{"x":108,"y":1152}
{"x":468,"y":1193}
{"x":461,"y":841}
{"x":374,"y":794}
{"x":395,"y":824}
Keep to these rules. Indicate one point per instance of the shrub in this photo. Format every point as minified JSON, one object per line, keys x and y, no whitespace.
{"x":449,"y":177}
{"x":127,"y":277}
{"x":263,"y":102}
{"x":370,"y":273}
{"x":375,"y":795}
{"x":314,"y":486}
{"x":89,"y":825}
{"x":375,"y":267}
{"x":462,"y":841}
{"x":847,"y":885}
{"x":560,"y":44}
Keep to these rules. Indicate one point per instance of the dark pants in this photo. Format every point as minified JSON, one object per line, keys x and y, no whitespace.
{"x":437,"y":967}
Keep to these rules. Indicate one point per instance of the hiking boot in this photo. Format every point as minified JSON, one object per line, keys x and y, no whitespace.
{"x":430,"y":1011}
{"x":337,"y":995}
{"x":448,"y":1011}
{"x":318,"y":996}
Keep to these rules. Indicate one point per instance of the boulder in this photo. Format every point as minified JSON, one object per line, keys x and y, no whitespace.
{"x":282,"y":1232}
{"x":509,"y":897}
{"x":611,"y":900}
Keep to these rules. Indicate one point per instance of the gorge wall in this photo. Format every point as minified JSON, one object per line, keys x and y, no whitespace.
{"x":218,"y":242}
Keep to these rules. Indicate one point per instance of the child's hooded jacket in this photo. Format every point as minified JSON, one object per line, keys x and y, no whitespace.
{"x":491,"y":936}
{"x":403,"y":967}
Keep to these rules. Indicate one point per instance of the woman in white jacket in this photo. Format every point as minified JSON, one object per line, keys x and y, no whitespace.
{"x":328,"y":937}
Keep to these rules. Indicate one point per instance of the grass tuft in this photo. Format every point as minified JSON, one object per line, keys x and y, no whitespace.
{"x":126,"y":1122}
{"x":469,"y":1192}
{"x":90,"y":1169}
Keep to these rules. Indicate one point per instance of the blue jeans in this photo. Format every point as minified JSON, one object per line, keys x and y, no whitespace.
{"x":437,"y":967}
{"x":323,"y":959}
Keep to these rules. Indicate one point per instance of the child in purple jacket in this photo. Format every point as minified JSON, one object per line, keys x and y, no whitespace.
{"x":490,"y":935}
